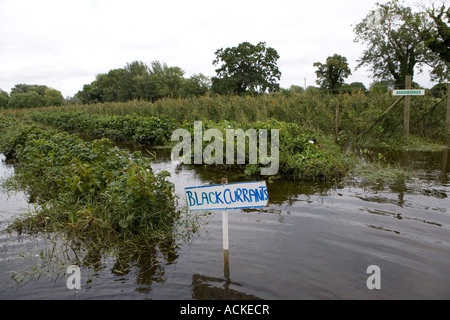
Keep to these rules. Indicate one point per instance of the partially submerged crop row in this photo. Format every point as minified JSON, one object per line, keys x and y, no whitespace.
{"x":87,"y":186}
{"x":305,"y":154}
{"x":132,"y":128}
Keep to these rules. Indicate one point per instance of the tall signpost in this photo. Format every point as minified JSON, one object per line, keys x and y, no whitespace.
{"x":447,"y":122}
{"x":408,"y":92}
{"x":407,"y":109}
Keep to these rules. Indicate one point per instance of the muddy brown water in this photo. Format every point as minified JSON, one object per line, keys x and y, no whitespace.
{"x":314,"y":241}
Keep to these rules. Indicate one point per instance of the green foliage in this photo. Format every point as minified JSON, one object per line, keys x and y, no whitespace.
{"x":4,"y":98}
{"x":435,"y":33}
{"x":165,"y":81}
{"x":141,"y":82}
{"x":354,"y":87}
{"x":314,"y":110}
{"x":87,"y":185}
{"x":196,"y":85}
{"x":440,"y":41}
{"x":30,"y":99}
{"x":33,"y":96}
{"x":331,"y":74}
{"x":296,"y":89}
{"x":246,"y":68}
{"x":143,"y":130}
{"x":308,"y":155}
{"x":303,"y":153}
{"x":24,"y":88}
{"x":439,"y":90}
{"x":381,"y":87}
{"x":53,"y":97}
{"x":394,"y":48}
{"x":11,"y":140}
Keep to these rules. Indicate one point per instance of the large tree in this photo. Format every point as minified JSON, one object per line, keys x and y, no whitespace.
{"x":435,"y":33}
{"x":246,"y":68}
{"x":31,"y":96}
{"x":135,"y":81}
{"x":4,"y":98}
{"x":165,"y":81}
{"x":196,"y":85}
{"x":53,"y":97}
{"x":331,"y":74}
{"x":394,"y":49}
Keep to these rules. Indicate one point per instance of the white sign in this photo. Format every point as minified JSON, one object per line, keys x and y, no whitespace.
{"x":227,"y":196}
{"x":409,"y":92}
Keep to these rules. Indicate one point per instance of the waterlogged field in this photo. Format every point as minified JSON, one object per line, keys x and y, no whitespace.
{"x":337,"y":226}
{"x":313,"y":241}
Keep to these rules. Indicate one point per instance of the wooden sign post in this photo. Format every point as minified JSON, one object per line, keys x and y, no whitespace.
{"x":407,"y":110}
{"x":447,"y":122}
{"x":407,"y":92}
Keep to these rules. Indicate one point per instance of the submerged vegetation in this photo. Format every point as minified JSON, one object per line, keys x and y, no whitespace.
{"x":87,"y":186}
{"x":91,"y":188}
{"x":304,"y":154}
{"x":99,"y":199}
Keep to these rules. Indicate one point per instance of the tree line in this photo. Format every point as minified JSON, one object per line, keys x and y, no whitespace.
{"x":398,"y":42}
{"x":31,"y":96}
{"x":139,"y":81}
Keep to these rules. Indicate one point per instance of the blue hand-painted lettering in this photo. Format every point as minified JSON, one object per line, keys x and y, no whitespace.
{"x":218,"y":200}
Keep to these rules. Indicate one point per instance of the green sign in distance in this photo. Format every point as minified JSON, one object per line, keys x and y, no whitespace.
{"x":409,"y":92}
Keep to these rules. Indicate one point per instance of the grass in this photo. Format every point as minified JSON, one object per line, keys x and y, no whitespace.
{"x":397,"y":142}
{"x":377,"y":173}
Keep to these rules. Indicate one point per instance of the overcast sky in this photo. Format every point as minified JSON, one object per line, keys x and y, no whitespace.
{"x":64,"y":44}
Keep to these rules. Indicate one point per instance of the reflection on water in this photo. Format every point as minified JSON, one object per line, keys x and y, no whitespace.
{"x":211,"y":288}
{"x":312,"y":241}
{"x":445,"y":166}
{"x":427,"y":165}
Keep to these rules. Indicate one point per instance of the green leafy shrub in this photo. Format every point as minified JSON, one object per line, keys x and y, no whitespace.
{"x":303,"y":153}
{"x":143,"y":130}
{"x":89,"y":185}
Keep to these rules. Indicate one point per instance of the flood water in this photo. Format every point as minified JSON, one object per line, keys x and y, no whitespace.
{"x":313,"y":241}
